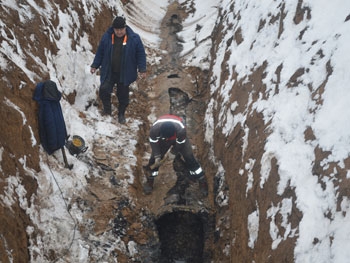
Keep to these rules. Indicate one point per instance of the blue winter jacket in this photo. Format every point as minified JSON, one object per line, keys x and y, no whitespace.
{"x":52,"y":128}
{"x":133,"y":57}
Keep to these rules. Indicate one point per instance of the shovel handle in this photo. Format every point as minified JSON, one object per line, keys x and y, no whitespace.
{"x":165,"y":157}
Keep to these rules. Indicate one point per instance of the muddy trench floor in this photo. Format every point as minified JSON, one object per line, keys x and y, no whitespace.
{"x":172,"y":224}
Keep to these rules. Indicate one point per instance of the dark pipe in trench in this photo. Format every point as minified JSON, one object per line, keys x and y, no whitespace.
{"x":181,"y":237}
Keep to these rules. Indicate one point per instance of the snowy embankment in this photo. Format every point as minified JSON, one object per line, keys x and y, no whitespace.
{"x":305,"y":88}
{"x":54,"y":212}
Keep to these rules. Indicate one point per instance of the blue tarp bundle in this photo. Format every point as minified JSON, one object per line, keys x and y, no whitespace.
{"x":52,"y":128}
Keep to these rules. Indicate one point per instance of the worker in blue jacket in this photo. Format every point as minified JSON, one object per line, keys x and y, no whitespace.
{"x":121,"y":58}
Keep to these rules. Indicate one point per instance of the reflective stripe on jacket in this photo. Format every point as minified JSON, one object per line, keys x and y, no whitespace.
{"x":177,"y":140}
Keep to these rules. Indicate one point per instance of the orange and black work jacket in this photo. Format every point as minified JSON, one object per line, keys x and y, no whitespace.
{"x":177,"y":140}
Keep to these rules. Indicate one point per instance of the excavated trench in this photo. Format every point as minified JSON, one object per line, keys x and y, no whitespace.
{"x":183,"y":222}
{"x":175,"y":223}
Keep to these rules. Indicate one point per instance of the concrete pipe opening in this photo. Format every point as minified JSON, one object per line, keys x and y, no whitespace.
{"x":181,"y":237}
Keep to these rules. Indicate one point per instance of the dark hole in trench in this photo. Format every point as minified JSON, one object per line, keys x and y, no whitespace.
{"x":181,"y":237}
{"x":178,"y":102}
{"x":172,"y":76}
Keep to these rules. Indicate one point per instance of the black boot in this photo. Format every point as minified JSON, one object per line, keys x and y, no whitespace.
{"x":121,"y":118}
{"x":148,"y":187}
{"x":107,"y":109}
{"x":105,"y":97}
{"x":106,"y":113}
{"x":121,"y":113}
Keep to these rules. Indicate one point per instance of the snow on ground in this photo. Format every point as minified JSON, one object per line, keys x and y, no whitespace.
{"x":290,"y":111}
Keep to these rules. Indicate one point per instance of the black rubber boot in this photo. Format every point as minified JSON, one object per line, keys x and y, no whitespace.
{"x":107,"y":109}
{"x":121,"y":113}
{"x":105,"y":97}
{"x":121,"y":118}
{"x":148,"y":187}
{"x":106,"y":113}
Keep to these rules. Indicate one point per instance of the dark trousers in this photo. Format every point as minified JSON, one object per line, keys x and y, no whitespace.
{"x":122,"y":93}
{"x":185,"y":151}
